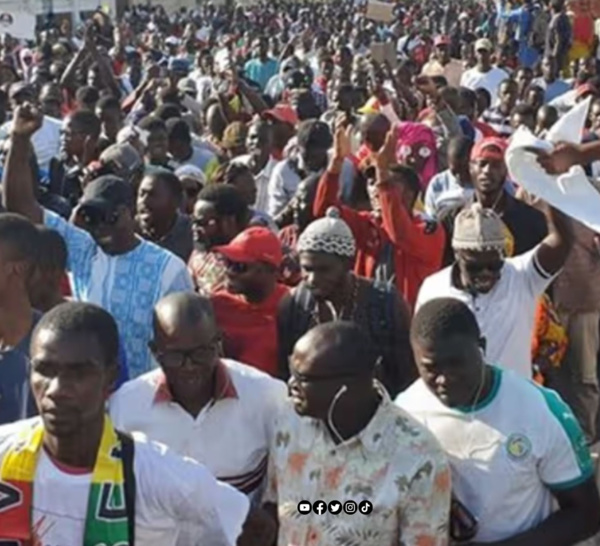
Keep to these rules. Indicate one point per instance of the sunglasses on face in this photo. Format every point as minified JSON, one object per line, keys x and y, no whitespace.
{"x":92,"y":216}
{"x":480,"y":267}
{"x":238,"y":268}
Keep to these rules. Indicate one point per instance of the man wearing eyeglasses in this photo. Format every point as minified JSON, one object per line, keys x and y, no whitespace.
{"x":342,"y":442}
{"x":214,"y":410}
{"x":502,"y":293}
{"x":247,"y":308}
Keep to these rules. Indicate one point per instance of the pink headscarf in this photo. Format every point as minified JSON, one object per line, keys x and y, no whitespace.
{"x":417,"y":138}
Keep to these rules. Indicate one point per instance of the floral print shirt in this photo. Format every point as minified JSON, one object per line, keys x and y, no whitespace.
{"x":208,"y":272}
{"x":394,"y":463}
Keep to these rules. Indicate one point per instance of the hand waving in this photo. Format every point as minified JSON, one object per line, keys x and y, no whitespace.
{"x":27,"y":120}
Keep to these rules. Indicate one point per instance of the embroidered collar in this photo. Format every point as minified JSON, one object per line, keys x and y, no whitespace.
{"x":224,"y":387}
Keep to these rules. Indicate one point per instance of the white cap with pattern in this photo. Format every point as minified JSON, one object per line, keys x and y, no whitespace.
{"x":330,"y":235}
{"x":478,"y":228}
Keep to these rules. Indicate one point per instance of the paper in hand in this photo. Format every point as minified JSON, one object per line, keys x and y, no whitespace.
{"x":572,"y":192}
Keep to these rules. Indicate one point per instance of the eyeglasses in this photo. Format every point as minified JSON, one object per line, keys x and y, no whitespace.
{"x":480,"y":267}
{"x":302,"y":378}
{"x":238,"y":268}
{"x":176,"y":359}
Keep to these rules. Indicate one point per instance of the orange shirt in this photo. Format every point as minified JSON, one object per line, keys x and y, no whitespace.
{"x":250,"y":329}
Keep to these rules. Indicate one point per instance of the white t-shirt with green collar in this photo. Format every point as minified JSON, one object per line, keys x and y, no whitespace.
{"x":507,"y":453}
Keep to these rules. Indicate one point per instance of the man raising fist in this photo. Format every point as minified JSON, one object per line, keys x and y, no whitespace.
{"x":109,"y":265}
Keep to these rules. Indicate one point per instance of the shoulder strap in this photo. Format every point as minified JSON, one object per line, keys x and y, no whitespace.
{"x":303,"y":302}
{"x":128,"y":453}
{"x":381,"y":315}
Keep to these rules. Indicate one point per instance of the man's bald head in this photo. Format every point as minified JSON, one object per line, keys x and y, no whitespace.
{"x":339,"y":346}
{"x":183,"y":310}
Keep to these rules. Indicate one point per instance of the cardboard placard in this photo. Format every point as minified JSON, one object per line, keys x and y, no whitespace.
{"x":384,"y":51}
{"x":380,"y":11}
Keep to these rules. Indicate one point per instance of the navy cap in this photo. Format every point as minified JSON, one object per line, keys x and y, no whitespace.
{"x":179,"y":65}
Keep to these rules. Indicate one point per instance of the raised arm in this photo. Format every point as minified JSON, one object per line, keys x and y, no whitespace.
{"x":18,"y":184}
{"x":565,"y":155}
{"x":404,"y":233}
{"x":328,"y":190}
{"x":554,"y":249}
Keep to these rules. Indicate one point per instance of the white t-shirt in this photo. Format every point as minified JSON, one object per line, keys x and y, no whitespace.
{"x":506,"y":314}
{"x":45,"y":141}
{"x":474,"y":79}
{"x":172,"y":493}
{"x":507,"y":453}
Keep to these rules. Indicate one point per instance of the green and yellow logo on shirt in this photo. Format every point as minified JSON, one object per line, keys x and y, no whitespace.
{"x":518,"y":446}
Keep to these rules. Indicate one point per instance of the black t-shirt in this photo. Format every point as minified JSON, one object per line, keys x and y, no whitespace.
{"x":526,"y":224}
{"x":16,"y":401}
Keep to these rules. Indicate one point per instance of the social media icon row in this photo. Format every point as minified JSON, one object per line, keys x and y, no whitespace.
{"x":335,"y":507}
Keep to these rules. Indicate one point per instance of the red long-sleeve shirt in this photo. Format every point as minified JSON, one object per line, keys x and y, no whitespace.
{"x":418,"y":244}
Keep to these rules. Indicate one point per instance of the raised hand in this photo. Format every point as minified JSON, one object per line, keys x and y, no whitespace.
{"x":561,"y":159}
{"x":27,"y":120}
{"x":386,"y":155}
{"x":342,"y":140}
{"x":342,"y":147}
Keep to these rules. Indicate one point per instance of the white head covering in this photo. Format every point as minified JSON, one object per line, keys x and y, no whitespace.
{"x":478,"y":228}
{"x":189,"y":171}
{"x":330,"y":235}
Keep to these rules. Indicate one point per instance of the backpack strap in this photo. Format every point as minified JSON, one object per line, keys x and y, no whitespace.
{"x":303,"y":304}
{"x":381,"y":310}
{"x":128,"y":453}
{"x":382,"y":326}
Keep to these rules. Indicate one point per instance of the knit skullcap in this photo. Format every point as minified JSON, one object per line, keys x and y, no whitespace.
{"x":330,"y":235}
{"x":478,"y":228}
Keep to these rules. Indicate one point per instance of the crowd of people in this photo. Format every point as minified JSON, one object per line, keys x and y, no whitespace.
{"x":253,"y":260}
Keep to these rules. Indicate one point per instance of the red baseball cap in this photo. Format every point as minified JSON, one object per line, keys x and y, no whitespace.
{"x":284,"y":113}
{"x":585,"y":89}
{"x":442,"y":40}
{"x":255,"y":244}
{"x":489,"y":148}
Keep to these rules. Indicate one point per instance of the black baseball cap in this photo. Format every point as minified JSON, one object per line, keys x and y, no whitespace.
{"x":107,"y":193}
{"x":314,"y":133}
{"x":21,"y":89}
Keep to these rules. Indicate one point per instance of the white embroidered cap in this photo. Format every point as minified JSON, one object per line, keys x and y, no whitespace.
{"x":330,"y":235}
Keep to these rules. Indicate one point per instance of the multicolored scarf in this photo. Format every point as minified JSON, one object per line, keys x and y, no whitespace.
{"x":106,"y":521}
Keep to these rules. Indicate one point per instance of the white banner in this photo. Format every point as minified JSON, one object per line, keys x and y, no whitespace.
{"x":19,"y":24}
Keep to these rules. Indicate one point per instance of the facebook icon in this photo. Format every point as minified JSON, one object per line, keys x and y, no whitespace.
{"x":319,"y":507}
